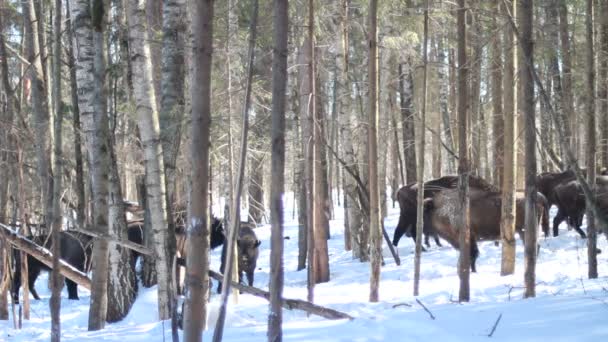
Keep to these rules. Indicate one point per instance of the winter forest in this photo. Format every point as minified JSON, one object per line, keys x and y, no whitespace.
{"x":304,"y":170}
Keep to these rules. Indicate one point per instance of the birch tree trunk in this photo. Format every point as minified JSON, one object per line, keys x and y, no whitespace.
{"x":279,"y":87}
{"x":57,"y":158}
{"x":80,"y":192}
{"x":88,"y":21}
{"x":590,"y":144}
{"x":507,"y":218}
{"x":527,"y":83}
{"x":197,"y":244}
{"x":148,"y":120}
{"x":464,"y":261}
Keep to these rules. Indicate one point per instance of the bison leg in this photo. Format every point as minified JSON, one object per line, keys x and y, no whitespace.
{"x":577,"y":227}
{"x":436,"y":237}
{"x":402,"y":228}
{"x":250,"y":277}
{"x":474,"y":255}
{"x":559,"y":218}
{"x":72,"y":289}
{"x":426,"y":240}
{"x":32,"y":280}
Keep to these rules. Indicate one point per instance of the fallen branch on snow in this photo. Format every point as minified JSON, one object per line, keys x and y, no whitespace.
{"x":495,"y":325}
{"x":288,"y":303}
{"x":425,"y":308}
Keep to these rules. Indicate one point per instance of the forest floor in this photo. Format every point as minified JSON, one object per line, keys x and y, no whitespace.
{"x":567,"y":307}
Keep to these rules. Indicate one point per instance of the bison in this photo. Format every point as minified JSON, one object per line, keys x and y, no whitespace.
{"x":75,"y":250}
{"x":548,"y":183}
{"x":407,"y":197}
{"x":441,"y":213}
{"x":248,"y":251}
{"x":571,"y":200}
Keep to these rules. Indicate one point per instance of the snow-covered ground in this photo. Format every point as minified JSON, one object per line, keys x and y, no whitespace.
{"x":568,"y":306}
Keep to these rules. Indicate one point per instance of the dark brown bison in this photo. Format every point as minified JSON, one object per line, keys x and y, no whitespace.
{"x":75,"y":250}
{"x":571,"y":200}
{"x":547,"y":184}
{"x":442,"y":212}
{"x":248,"y":251}
{"x":407,"y":197}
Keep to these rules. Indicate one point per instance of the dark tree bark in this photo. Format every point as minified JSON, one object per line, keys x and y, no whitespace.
{"x":464,"y":261}
{"x":375,"y":242}
{"x":279,"y":87}
{"x":527,"y":84}
{"x":197,"y":244}
{"x":57,"y":157}
{"x":590,"y":143}
{"x":406,"y":91}
{"x":496,"y":88}
{"x":603,"y":83}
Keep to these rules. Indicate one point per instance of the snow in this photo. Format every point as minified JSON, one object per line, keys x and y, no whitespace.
{"x":568,"y":306}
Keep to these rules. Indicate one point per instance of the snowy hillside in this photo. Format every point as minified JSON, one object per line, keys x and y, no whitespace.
{"x":568,"y":307}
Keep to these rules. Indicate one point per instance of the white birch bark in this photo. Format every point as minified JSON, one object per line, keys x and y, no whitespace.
{"x":149,"y":128}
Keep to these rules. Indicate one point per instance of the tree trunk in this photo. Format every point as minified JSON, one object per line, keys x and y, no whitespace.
{"x":375,"y":238}
{"x":406,"y":91}
{"x":153,"y":19}
{"x":475,"y":105}
{"x":464,"y":261}
{"x":603,"y":83}
{"x":421,"y":143}
{"x":527,"y":83}
{"x":352,"y":212}
{"x":507,"y":218}
{"x":57,"y":157}
{"x":570,"y":128}
{"x":4,"y":280}
{"x":496,"y":88}
{"x":552,"y":13}
{"x":442,"y":79}
{"x":256,"y":180}
{"x":308,"y":98}
{"x":197,"y":244}
{"x":279,"y":87}
{"x":44,"y":256}
{"x":148,"y":120}
{"x":590,"y":144}
{"x":90,"y":74}
{"x":231,"y":243}
{"x":288,"y":303}
{"x":80,"y":192}
{"x":39,"y":103}
{"x":172,"y":101}
{"x":301,"y":191}
{"x":321,"y":207}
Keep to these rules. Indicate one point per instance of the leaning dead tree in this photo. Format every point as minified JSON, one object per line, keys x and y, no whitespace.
{"x":289,"y":304}
{"x":44,"y":256}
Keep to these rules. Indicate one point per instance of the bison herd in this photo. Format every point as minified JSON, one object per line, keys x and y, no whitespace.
{"x":440,"y":208}
{"x":76,"y":250}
